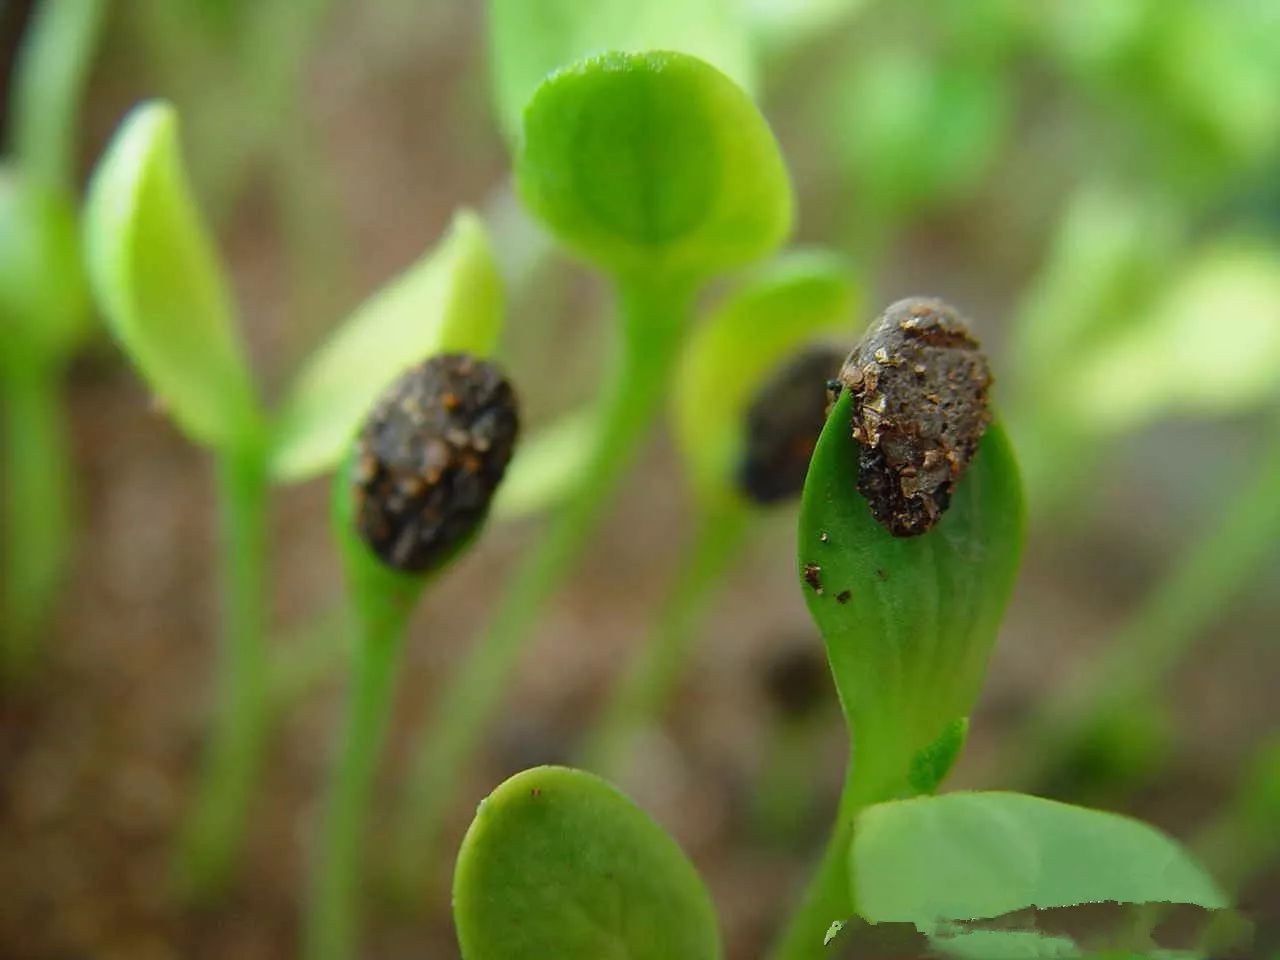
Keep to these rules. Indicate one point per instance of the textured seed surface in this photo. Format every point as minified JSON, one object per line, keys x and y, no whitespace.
{"x":919,"y":382}
{"x":783,"y":423}
{"x":430,"y":457}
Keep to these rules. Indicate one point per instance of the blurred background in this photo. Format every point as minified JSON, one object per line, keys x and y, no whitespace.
{"x":1096,"y":183}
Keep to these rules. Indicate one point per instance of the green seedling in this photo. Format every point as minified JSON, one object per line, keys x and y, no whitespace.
{"x":659,"y":222}
{"x":46,"y":313}
{"x":746,"y":420}
{"x":412,"y":495}
{"x":158,"y":282}
{"x":557,"y":863}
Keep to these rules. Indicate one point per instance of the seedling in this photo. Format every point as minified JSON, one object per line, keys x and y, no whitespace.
{"x":412,"y":495}
{"x":659,"y":223}
{"x":44,"y":303}
{"x":159,"y":285}
{"x":907,"y":649}
{"x":746,"y":416}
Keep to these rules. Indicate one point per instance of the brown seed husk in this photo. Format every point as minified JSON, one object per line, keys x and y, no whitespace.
{"x":783,"y":423}
{"x":430,"y":457}
{"x":919,"y":382}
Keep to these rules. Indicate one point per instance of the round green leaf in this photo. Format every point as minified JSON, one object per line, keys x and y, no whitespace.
{"x":156,"y":277}
{"x":450,"y":300}
{"x":908,"y":622}
{"x":965,"y":856}
{"x":558,"y":863}
{"x":653,"y":162}
{"x":44,"y":298}
{"x":802,"y":296}
{"x":528,"y":40}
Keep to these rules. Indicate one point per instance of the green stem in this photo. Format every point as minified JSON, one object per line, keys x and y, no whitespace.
{"x":333,"y":909}
{"x":651,"y":678}
{"x":877,"y":772}
{"x":50,"y":75}
{"x":215,"y":833}
{"x":37,"y":508}
{"x":653,"y":316}
{"x":1144,"y":652}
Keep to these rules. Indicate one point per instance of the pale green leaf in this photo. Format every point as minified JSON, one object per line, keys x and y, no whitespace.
{"x":558,"y":863}
{"x":965,"y":856}
{"x":653,"y":164}
{"x":802,"y":296}
{"x":1210,"y":345}
{"x":450,"y":300}
{"x":529,"y":39}
{"x":546,"y":466}
{"x":156,"y":277}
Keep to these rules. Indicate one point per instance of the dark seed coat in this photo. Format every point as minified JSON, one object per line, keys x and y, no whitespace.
{"x":429,"y":458}
{"x":919,"y":382}
{"x":783,"y":423}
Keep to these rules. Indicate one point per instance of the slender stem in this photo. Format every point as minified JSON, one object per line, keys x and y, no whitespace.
{"x":215,"y":832}
{"x":653,"y":315}
{"x":37,"y":508}
{"x":651,"y":678}
{"x":50,"y":75}
{"x":333,"y":910}
{"x":876,"y":772}
{"x":1142,"y":654}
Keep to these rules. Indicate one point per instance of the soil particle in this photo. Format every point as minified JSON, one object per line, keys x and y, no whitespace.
{"x":813,"y":577}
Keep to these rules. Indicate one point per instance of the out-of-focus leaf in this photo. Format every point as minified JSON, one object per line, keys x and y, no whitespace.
{"x":156,"y":277}
{"x":49,"y":78}
{"x":546,"y":466}
{"x":558,"y":863}
{"x":1210,"y":345}
{"x":964,"y":856}
{"x":450,"y":300}
{"x":651,"y":164}
{"x":44,"y":298}
{"x":781,"y":24}
{"x":908,"y":622}
{"x":917,"y":130}
{"x":529,"y":39}
{"x":802,"y":296}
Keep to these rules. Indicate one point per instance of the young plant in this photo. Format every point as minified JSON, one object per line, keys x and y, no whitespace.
{"x":158,"y":283}
{"x":45,"y":307}
{"x":910,"y":531}
{"x":413,"y":493}
{"x":659,"y":223}
{"x":746,"y":420}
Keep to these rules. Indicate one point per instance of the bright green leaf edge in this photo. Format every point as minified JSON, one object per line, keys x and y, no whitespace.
{"x":559,"y":863}
{"x":449,"y":300}
{"x":155,"y":274}
{"x":965,"y":855}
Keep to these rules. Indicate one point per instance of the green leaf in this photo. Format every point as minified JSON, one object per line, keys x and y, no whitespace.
{"x":653,"y":164}
{"x":909,"y":641}
{"x":44,"y":298}
{"x":529,"y":39}
{"x":450,"y":300}
{"x":965,"y":856}
{"x":156,"y":277}
{"x":1210,"y":345}
{"x":546,"y":467}
{"x":730,"y":354}
{"x":930,"y":765}
{"x":558,"y":863}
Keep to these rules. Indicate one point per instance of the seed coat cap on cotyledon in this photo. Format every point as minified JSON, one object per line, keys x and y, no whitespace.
{"x":430,"y":457}
{"x":919,"y":383}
